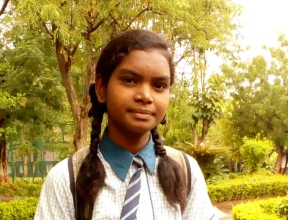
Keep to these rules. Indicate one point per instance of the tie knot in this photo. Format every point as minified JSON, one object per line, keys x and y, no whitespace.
{"x":138,"y":161}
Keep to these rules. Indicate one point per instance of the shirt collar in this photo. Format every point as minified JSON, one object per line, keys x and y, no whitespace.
{"x":120,"y":159}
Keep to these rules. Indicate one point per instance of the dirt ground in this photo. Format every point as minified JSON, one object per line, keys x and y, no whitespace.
{"x":226,"y":207}
{"x":5,"y":199}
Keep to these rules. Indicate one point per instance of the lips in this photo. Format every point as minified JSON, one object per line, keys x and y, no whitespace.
{"x":141,"y":114}
{"x":141,"y":111}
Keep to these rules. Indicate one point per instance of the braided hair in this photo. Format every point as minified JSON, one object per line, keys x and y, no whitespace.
{"x":91,"y":176}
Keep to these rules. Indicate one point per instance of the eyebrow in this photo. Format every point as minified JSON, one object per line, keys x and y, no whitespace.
{"x":141,"y":76}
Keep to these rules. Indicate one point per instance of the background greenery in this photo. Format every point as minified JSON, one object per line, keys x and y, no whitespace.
{"x":48,"y":52}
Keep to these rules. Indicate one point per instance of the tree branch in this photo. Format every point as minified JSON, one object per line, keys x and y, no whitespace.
{"x":74,"y":50}
{"x":137,"y":16}
{"x":45,"y":26}
{"x":97,"y":25}
{"x":5,"y":3}
{"x":114,"y":19}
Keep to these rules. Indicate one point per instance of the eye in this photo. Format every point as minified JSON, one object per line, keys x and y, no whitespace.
{"x":129,"y":80}
{"x":160,"y":86}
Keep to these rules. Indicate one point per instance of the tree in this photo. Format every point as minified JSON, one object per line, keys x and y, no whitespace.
{"x":27,"y":76}
{"x":7,"y":104}
{"x":207,"y":105}
{"x":260,"y":98}
{"x":80,"y":28}
{"x":211,"y":31}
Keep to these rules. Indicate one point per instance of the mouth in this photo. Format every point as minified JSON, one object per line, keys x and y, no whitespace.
{"x":141,"y":114}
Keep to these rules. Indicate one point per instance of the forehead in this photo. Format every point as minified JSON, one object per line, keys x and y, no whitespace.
{"x":151,"y":61}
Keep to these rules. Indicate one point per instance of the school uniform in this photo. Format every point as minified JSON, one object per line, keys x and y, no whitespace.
{"x":56,"y":201}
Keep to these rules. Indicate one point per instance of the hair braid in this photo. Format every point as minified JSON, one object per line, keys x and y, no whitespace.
{"x":170,"y":174}
{"x":91,"y":176}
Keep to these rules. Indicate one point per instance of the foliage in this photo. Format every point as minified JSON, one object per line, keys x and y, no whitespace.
{"x":261,"y":209}
{"x":254,"y":152}
{"x":270,"y":165}
{"x":79,"y":30}
{"x":178,"y":127}
{"x":207,"y":155}
{"x":21,"y":189}
{"x":9,"y":104}
{"x":259,"y":96}
{"x":28,"y":73}
{"x":62,"y":149}
{"x":18,"y":209}
{"x":283,"y":207}
{"x":248,"y":187}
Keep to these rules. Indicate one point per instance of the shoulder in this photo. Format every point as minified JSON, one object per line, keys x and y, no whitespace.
{"x":184,"y":159}
{"x":58,"y":173}
{"x":180,"y":156}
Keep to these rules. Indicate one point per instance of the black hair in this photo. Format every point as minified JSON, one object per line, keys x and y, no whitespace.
{"x":91,"y":176}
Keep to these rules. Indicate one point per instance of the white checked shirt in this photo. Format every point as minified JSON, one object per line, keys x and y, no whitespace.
{"x":56,"y":202}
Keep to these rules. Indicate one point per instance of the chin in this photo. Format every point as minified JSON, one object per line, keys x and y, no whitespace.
{"x":141,"y":129}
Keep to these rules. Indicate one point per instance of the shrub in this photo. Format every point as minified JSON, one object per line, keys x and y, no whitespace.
{"x":18,"y":209}
{"x":283,"y":207}
{"x":255,"y":151}
{"x":249,"y":187}
{"x":261,"y":209}
{"x":21,"y":189}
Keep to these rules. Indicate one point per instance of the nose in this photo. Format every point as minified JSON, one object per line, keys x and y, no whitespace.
{"x":144,"y":94}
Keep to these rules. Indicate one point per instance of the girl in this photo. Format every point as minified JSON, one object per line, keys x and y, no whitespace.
{"x":127,"y":173}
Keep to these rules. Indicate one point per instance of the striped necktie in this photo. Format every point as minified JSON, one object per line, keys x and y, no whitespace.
{"x":132,"y":197}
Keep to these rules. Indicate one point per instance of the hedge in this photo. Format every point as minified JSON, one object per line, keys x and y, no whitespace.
{"x":21,"y":189}
{"x":18,"y":209}
{"x":249,"y":188}
{"x":270,"y":209}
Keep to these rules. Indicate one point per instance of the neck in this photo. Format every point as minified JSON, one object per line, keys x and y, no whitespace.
{"x":132,"y":142}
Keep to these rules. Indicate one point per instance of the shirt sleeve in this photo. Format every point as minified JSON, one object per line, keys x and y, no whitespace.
{"x":199,"y":205}
{"x":56,"y":201}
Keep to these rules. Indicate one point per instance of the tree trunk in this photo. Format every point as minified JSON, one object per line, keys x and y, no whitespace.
{"x":79,"y":112}
{"x":25,"y":165}
{"x":65,"y":70}
{"x":82,"y":128}
{"x":3,"y":155}
{"x":279,"y":150}
{"x":286,"y":163}
{"x":205,"y":127}
{"x":195,"y":137}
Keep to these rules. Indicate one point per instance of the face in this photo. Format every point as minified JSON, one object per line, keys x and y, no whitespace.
{"x":137,"y":94}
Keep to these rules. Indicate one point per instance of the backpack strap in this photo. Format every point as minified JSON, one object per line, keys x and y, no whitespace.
{"x":72,"y":182}
{"x":188,"y":171}
{"x":83,"y":210}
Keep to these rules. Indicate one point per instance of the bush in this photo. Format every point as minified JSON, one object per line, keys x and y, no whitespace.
{"x":283,"y":207}
{"x":261,"y":209}
{"x":21,"y":189}
{"x":255,"y":151}
{"x":249,"y":187}
{"x":18,"y":209}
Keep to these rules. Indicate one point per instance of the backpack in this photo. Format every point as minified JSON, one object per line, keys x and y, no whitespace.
{"x":83,"y":211}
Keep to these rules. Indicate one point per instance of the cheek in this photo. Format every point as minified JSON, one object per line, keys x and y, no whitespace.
{"x":163,"y":102}
{"x":117,"y":97}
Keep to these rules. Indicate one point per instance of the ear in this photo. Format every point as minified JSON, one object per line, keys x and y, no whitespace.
{"x":100,"y":89}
